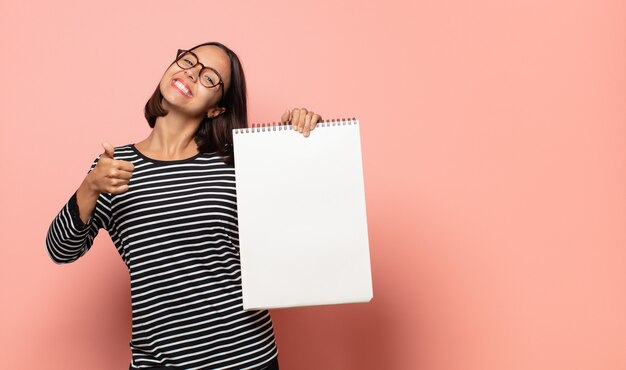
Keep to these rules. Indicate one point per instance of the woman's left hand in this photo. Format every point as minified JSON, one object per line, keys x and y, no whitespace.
{"x":302,"y":120}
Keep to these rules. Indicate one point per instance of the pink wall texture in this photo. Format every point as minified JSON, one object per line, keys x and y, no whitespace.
{"x":494,"y":148}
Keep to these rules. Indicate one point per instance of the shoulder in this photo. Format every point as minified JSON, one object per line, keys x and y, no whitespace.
{"x":214,"y":158}
{"x":123,"y":148}
{"x":124,"y":152}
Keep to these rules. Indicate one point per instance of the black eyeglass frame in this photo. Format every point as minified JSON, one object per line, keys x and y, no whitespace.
{"x":179,"y":55}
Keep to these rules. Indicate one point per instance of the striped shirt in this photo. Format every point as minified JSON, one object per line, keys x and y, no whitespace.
{"x":176,"y":230}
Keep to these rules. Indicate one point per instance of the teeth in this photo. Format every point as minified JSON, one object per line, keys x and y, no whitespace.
{"x":182,"y":87}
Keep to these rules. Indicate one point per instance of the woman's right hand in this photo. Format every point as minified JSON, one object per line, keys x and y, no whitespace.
{"x":111,"y":175}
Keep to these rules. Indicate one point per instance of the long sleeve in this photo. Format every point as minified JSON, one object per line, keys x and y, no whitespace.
{"x":68,"y":238}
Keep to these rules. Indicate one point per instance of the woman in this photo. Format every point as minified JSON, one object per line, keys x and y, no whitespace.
{"x":169,"y":205}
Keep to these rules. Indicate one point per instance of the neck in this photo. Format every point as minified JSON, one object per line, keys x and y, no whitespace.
{"x":173,"y":136}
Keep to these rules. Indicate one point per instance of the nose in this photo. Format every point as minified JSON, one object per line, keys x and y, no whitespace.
{"x":190,"y":71}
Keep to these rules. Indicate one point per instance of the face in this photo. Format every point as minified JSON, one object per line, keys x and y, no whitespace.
{"x":200,"y":101}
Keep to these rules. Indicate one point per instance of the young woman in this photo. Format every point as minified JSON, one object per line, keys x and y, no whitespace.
{"x":169,"y":204}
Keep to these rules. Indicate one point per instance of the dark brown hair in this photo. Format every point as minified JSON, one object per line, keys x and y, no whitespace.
{"x":214,"y":134}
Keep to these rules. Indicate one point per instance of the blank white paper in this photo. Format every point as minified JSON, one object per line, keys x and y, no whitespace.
{"x":301,"y":211}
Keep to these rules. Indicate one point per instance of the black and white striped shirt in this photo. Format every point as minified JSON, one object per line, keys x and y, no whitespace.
{"x":176,"y":231}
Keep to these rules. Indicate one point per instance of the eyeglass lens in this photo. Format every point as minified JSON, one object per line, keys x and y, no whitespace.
{"x":208,"y":78}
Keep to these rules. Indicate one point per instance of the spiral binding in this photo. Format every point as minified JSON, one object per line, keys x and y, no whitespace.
{"x":284,"y":126}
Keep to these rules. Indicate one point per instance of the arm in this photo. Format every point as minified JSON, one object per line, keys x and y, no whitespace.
{"x":86,"y":198}
{"x":73,"y":230}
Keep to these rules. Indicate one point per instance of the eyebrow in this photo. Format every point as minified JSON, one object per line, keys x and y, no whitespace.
{"x":210,"y":66}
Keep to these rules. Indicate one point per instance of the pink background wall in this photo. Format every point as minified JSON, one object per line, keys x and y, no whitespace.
{"x":494,"y":138}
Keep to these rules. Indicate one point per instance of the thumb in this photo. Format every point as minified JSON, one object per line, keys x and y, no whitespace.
{"x":285,"y":117}
{"x":108,"y":149}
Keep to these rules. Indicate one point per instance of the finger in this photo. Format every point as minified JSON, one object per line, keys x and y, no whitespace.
{"x":120,"y":174}
{"x":295,"y":116}
{"x":108,"y":149}
{"x":118,"y":182}
{"x":285,"y":117}
{"x":307,"y":124}
{"x":302,"y":120}
{"x":316,"y":118}
{"x":124,"y":165}
{"x":118,"y":189}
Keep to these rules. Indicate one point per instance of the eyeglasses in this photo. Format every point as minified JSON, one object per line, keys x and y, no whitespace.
{"x":209,"y":77}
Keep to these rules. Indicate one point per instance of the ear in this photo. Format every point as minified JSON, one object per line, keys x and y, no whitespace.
{"x":214,"y":112}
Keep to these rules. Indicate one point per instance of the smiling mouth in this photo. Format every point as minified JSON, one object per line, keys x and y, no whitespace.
{"x":181,"y":87}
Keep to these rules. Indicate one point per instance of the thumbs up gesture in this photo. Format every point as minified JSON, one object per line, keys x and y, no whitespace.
{"x":111,"y":175}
